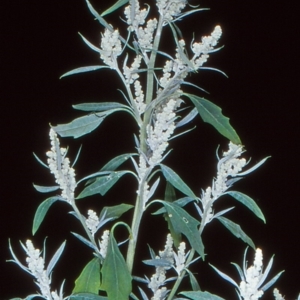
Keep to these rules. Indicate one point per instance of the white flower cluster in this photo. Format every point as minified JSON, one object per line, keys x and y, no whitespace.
{"x":229,"y":166}
{"x":158,"y":136}
{"x":36,"y":267}
{"x":180,"y":258}
{"x":169,"y":9}
{"x":110,"y":48}
{"x":104,"y":243}
{"x":92,"y":221}
{"x":277,"y":295}
{"x":158,"y":280}
{"x":131,"y":76}
{"x":178,"y":66}
{"x":249,"y":288}
{"x":145,"y":35}
{"x":130,"y":73}
{"x":134,"y":15}
{"x":202,"y":49}
{"x":160,"y":132}
{"x":59,"y":166}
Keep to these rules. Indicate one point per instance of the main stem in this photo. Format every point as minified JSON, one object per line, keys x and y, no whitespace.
{"x":139,"y":204}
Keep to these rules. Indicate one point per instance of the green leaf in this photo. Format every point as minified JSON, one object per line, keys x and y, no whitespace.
{"x":114,"y":7}
{"x":93,"y":47}
{"x":102,"y":184}
{"x":79,"y":126}
{"x":41,"y":212}
{"x":89,"y":279}
{"x":176,"y":181}
{"x":45,"y":189}
{"x":83,"y":70}
{"x":116,"y":162}
{"x":193,"y":281}
{"x":248,"y":202}
{"x":116,"y":211}
{"x":113,"y":164}
{"x":55,"y":258}
{"x":98,"y":17}
{"x":201,"y":296}
{"x":99,"y":106}
{"x":116,"y":279}
{"x":212,"y":114}
{"x":86,"y":296}
{"x":170,"y":193}
{"x":180,"y":202}
{"x":170,"y":196}
{"x":184,"y":223}
{"x":236,"y":230}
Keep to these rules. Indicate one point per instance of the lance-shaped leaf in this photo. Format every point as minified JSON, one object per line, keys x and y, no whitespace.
{"x":193,"y":281}
{"x":184,"y":223}
{"x":102,"y":184}
{"x":46,"y":189}
{"x":158,"y":262}
{"x":176,"y":181}
{"x":212,"y":114}
{"x":116,"y":279}
{"x":89,"y":279}
{"x":248,"y":202}
{"x":116,"y":162}
{"x":115,"y":212}
{"x":79,"y":126}
{"x":55,"y":258}
{"x":86,"y":296}
{"x":98,"y":17}
{"x":236,"y":230}
{"x":201,"y":296}
{"x":112,"y":165}
{"x":41,"y":212}
{"x":170,"y":196}
{"x":114,"y":7}
{"x":99,"y":106}
{"x":83,"y":70}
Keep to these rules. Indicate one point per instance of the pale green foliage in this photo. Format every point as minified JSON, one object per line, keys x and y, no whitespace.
{"x":154,"y":98}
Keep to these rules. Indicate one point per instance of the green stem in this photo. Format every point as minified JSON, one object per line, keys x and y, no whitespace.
{"x":139,"y":204}
{"x":137,"y":216}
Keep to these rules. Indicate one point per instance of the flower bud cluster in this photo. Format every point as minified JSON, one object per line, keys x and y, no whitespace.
{"x":202,"y":49}
{"x":145,"y":35}
{"x":249,"y":288}
{"x":59,"y":166}
{"x":134,"y":15}
{"x":110,"y":48}
{"x":104,"y":243}
{"x":170,"y":8}
{"x":131,"y":76}
{"x":229,"y":166}
{"x":277,"y":295}
{"x":160,"y":132}
{"x":180,"y":258}
{"x":92,"y":221}
{"x":36,"y":267}
{"x":158,"y":280}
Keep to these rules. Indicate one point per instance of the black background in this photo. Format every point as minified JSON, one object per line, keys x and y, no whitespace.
{"x":39,"y":42}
